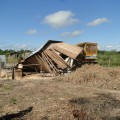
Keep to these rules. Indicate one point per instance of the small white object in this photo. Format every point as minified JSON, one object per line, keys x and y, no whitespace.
{"x":20,"y":66}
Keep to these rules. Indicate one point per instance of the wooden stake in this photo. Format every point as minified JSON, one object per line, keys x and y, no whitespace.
{"x":13,"y":73}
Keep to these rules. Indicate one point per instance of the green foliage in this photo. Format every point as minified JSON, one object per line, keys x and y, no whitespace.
{"x":7,"y":52}
{"x":13,"y":101}
{"x":105,"y":58}
{"x":109,"y":58}
{"x":19,"y":54}
{"x":6,"y":87}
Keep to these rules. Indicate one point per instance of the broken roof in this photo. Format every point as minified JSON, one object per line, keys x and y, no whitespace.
{"x":44,"y":47}
{"x":53,"y":57}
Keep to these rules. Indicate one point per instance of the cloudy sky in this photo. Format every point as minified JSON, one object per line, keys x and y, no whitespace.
{"x":28,"y":24}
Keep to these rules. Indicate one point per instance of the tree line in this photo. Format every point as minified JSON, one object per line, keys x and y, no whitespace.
{"x":105,"y":58}
{"x":109,"y":58}
{"x":7,"y":52}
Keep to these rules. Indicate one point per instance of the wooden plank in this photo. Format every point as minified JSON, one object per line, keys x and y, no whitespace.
{"x":62,"y":60}
{"x":32,"y":65}
{"x":68,"y":50}
{"x":45,"y":65}
{"x":52,"y":66}
{"x":57,"y":59}
{"x":38,"y":61}
{"x":51,"y":62}
{"x":32,"y":60}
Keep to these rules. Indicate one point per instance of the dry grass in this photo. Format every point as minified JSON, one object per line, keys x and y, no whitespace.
{"x":95,"y":76}
{"x":69,"y":97}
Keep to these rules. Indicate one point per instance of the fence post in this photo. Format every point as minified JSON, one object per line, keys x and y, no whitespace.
{"x":13,"y":73}
{"x":109,"y":62}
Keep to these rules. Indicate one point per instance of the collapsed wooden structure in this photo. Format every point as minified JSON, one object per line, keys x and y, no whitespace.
{"x":55,"y":57}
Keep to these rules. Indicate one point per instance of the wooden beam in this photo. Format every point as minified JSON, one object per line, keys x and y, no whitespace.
{"x":51,"y":65}
{"x":57,"y":59}
{"x":68,"y":50}
{"x":45,"y":64}
{"x":13,"y":73}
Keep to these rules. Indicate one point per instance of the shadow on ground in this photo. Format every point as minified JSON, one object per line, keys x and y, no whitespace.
{"x":17,"y":116}
{"x":102,"y":106}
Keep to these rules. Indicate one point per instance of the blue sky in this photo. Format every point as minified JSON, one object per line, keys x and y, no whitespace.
{"x":28,"y":24}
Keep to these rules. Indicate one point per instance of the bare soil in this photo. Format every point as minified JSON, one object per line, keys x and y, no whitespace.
{"x":90,"y":93}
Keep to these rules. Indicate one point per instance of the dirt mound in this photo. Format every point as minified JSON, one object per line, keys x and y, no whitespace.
{"x":95,"y":76}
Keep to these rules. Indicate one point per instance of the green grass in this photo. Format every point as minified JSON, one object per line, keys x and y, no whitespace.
{"x":6,"y":87}
{"x":13,"y":101}
{"x":109,"y":58}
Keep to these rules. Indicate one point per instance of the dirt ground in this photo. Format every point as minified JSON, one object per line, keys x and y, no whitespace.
{"x":90,"y":93}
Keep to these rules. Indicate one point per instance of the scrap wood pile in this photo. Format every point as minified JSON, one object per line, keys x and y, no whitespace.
{"x":95,"y":76}
{"x":55,"y":57}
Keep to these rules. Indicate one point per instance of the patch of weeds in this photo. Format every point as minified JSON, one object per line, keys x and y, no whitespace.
{"x":7,"y":87}
{"x":13,"y":101}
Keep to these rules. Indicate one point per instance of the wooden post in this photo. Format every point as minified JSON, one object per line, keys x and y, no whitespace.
{"x":109,"y":62}
{"x":13,"y":73}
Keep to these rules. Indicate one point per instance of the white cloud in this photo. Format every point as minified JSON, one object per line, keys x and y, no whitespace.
{"x":77,"y":32}
{"x":31,"y":32}
{"x":110,"y":47}
{"x":60,"y":19}
{"x":98,"y":22}
{"x":22,"y":46}
{"x":72,"y":34}
{"x":65,"y":34}
{"x":113,"y":47}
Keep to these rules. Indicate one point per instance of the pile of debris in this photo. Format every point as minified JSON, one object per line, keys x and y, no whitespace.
{"x":94,"y":76}
{"x":56,"y":58}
